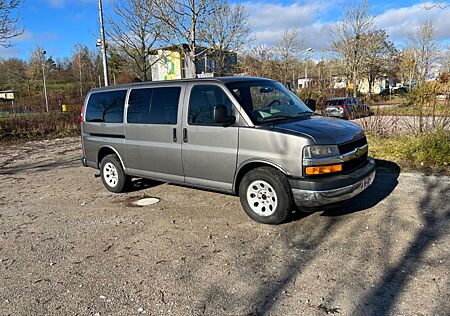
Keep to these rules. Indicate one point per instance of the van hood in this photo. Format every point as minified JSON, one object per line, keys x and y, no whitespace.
{"x":322,"y":130}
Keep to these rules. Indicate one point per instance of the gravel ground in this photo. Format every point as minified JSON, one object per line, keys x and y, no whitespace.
{"x":69,"y":247}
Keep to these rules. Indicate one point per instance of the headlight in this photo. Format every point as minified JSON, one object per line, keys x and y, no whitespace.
{"x":320,"y":151}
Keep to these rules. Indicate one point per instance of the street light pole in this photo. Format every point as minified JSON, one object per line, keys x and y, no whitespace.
{"x":103,"y":44}
{"x":43,"y":77}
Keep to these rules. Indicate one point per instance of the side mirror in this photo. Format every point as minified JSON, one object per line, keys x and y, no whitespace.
{"x":311,"y":103}
{"x":220,"y":115}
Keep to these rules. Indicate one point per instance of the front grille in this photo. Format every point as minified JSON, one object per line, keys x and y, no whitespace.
{"x":353,"y":164}
{"x":351,"y":145}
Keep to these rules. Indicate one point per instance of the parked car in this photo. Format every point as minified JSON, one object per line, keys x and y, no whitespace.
{"x":246,"y":136}
{"x":346,"y":108}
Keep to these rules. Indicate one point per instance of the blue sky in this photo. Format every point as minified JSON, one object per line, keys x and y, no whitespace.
{"x":57,"y":25}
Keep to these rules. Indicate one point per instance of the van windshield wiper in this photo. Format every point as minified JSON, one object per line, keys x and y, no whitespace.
{"x":279,"y":117}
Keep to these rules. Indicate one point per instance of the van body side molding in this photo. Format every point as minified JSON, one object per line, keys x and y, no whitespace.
{"x":107,"y":135}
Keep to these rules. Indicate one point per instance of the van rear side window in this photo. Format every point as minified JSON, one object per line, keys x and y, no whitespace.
{"x":153,"y":105}
{"x":106,"y":107}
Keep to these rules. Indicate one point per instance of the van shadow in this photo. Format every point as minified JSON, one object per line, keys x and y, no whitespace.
{"x":139,"y":184}
{"x":386,"y":179}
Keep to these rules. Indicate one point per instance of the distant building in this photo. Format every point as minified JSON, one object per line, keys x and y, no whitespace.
{"x":303,"y":82}
{"x":339,"y":82}
{"x":169,"y":63}
{"x":380,"y":84}
{"x":7,"y":95}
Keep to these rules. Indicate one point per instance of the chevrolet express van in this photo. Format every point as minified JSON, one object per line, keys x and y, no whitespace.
{"x":246,"y":136}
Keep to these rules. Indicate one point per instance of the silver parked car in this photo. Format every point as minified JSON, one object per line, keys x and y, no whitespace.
{"x":346,"y":108}
{"x":246,"y":136}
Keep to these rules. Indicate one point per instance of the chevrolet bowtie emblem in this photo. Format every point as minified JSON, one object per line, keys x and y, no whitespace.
{"x":359,"y":152}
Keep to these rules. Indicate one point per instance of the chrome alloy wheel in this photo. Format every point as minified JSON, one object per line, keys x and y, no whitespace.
{"x":110,"y":174}
{"x":262,"y":198}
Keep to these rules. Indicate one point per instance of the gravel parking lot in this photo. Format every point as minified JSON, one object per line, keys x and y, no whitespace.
{"x":69,"y":247}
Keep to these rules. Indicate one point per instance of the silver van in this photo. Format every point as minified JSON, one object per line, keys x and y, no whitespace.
{"x":246,"y":136}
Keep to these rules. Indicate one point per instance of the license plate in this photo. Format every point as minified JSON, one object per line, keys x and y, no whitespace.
{"x":367,"y":181}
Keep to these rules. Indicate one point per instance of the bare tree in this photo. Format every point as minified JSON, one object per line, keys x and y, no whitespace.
{"x":9,"y":21}
{"x":258,"y":61}
{"x":408,"y":65}
{"x":226,"y":31}
{"x":350,"y":40}
{"x":288,"y":50}
{"x":81,"y":64}
{"x":182,"y":19}
{"x":429,"y":5}
{"x":426,"y":48}
{"x":445,"y":60}
{"x":134,"y":30}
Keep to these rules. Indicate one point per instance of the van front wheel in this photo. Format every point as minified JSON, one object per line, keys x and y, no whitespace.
{"x":266,"y":195}
{"x":113,"y":176}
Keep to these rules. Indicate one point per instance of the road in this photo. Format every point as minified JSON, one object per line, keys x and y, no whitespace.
{"x":69,"y":247}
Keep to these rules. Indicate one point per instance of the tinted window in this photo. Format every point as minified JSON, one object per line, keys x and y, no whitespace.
{"x":153,"y":105}
{"x":335,"y":102}
{"x":106,"y":106}
{"x":202,"y":101}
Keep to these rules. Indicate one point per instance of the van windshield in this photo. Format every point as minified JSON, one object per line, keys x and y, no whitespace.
{"x":266,"y":101}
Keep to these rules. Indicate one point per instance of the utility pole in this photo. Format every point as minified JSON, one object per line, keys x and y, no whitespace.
{"x":103,"y":44}
{"x":43,"y":77}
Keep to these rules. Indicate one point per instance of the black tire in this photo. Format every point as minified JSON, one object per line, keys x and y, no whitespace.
{"x":278,"y":181}
{"x":117,"y":184}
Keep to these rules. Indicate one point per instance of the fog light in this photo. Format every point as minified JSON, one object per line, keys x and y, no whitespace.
{"x":323,"y":169}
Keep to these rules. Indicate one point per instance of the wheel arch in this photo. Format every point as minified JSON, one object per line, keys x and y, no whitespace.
{"x":251,"y":165}
{"x":108,"y":150}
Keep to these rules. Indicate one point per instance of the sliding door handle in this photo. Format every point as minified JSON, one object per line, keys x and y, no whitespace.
{"x":174,"y":135}
{"x":185,"y":135}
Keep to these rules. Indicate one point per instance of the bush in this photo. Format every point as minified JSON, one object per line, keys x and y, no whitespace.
{"x":428,"y":151}
{"x":33,"y":126}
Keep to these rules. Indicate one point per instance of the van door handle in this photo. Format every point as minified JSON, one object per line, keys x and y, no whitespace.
{"x":174,"y":135}
{"x":185,"y":136}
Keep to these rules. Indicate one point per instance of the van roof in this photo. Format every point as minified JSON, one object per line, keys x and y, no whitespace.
{"x":212,"y":79}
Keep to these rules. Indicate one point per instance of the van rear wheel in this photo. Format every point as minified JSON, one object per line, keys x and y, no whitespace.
{"x":112,"y":174}
{"x":266,"y":195}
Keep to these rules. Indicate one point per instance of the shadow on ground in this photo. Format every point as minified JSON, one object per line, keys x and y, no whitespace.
{"x":39,"y":167}
{"x":435,"y":216}
{"x":386,"y":180}
{"x":139,"y":184}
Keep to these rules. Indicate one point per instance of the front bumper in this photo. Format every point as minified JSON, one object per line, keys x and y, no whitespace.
{"x":333,"y":189}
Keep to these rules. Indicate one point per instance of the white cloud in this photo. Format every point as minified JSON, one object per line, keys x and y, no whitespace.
{"x":315,"y":20}
{"x":402,"y":22}
{"x":9,"y":52}
{"x":270,"y":20}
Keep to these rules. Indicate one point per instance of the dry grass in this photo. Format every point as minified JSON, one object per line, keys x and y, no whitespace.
{"x":25,"y":127}
{"x":428,"y":151}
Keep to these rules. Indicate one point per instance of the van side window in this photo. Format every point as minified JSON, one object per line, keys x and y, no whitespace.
{"x":202,"y":101}
{"x":153,"y":105}
{"x":106,"y":107}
